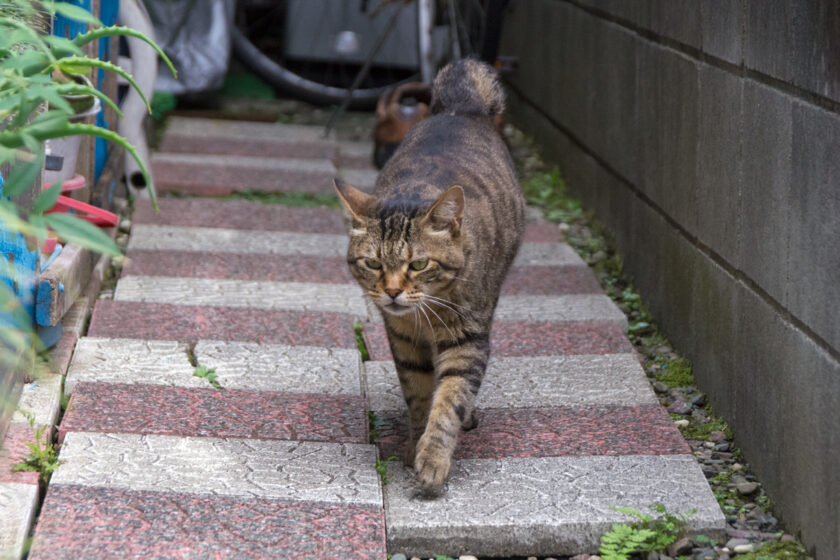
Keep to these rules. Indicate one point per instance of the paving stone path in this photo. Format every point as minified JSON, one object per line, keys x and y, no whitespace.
{"x":278,"y":462}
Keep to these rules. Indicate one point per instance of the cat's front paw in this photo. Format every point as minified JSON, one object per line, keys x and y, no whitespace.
{"x":431,"y":465}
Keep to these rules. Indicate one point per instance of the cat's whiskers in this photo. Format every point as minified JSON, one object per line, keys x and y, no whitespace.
{"x":446,"y":303}
{"x":431,"y":328}
{"x":441,"y":320}
{"x":455,"y":311}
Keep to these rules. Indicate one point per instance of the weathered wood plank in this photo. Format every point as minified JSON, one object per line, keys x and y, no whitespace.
{"x":61,"y":283}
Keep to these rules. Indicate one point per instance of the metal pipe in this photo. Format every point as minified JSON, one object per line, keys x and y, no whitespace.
{"x":144,"y":69}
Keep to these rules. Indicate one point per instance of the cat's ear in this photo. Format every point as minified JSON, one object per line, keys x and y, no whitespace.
{"x":446,"y":213}
{"x":356,"y":201}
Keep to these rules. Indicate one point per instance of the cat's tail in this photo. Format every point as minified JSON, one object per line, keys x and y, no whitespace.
{"x":468,"y":87}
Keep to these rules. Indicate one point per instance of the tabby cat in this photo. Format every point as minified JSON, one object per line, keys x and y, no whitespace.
{"x":431,"y":248}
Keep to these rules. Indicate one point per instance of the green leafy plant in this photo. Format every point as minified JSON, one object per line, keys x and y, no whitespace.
{"x":374,"y":424}
{"x":42,"y":457}
{"x":647,"y":534}
{"x":207,"y":373}
{"x":382,"y":468}
{"x":39,"y":75}
{"x":358,"y":331}
{"x":622,"y":541}
{"x":788,"y":550}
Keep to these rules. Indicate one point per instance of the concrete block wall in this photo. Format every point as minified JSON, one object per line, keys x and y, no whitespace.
{"x":706,"y":135}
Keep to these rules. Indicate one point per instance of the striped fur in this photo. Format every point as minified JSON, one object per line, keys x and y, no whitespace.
{"x":431,"y":248}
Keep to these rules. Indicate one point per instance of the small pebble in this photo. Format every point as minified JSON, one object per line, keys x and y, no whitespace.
{"x":699,"y":400}
{"x":744,"y":548}
{"x":788,"y":538}
{"x":659,"y":387}
{"x":680,"y":407}
{"x":737,"y":467}
{"x":681,"y":423}
{"x":746,"y":488}
{"x":467,"y":557}
{"x":398,"y":556}
{"x":705,"y":554}
{"x":125,"y":225}
{"x":681,"y":547}
{"x":717,"y":436}
{"x":732,"y":543}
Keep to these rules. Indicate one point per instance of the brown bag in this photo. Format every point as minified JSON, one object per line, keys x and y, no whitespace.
{"x":396,"y":111}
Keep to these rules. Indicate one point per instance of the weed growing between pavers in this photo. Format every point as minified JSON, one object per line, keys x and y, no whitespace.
{"x":359,"y":333}
{"x":306,"y":200}
{"x":647,"y":534}
{"x":42,"y":457}
{"x":374,"y":423}
{"x":382,"y":468}
{"x":670,"y":374}
{"x":208,"y":374}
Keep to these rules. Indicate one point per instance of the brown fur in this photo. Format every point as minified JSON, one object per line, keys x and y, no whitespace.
{"x":449,"y":202}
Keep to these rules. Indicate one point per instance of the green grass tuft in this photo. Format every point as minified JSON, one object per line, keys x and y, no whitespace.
{"x":307,"y":200}
{"x":207,"y":373}
{"x":676,"y":373}
{"x":382,"y":468}
{"x":358,"y":332}
{"x":789,"y":550}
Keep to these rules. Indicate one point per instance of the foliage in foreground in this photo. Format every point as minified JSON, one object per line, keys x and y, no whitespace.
{"x":42,"y":457}
{"x":647,"y":534}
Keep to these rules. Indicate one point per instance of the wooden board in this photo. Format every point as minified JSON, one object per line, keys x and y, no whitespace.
{"x":61,"y":283}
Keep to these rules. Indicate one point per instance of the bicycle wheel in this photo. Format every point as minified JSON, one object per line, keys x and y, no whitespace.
{"x":293,"y":50}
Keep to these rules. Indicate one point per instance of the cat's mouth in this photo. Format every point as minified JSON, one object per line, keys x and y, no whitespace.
{"x":397,"y":309}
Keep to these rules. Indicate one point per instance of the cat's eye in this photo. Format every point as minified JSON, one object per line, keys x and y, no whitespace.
{"x":373,"y":264}
{"x":418,"y":265}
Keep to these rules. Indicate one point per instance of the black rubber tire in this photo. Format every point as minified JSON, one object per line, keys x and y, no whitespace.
{"x":297,"y":86}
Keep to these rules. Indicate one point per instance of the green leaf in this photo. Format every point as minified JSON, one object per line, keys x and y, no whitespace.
{"x":23,"y":175}
{"x":47,"y":199}
{"x":72,"y":64}
{"x":80,"y":232}
{"x":77,"y":89}
{"x":73,"y":12}
{"x":10,"y":221}
{"x":65,"y":45}
{"x":95,"y":34}
{"x":39,"y":226}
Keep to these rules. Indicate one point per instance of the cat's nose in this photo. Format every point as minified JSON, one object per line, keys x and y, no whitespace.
{"x":393,"y":292}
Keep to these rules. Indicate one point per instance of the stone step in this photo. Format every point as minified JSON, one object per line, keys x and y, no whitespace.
{"x":347,"y":298}
{"x":155,"y":321}
{"x":240,"y":366}
{"x":248,"y":215}
{"x":118,"y":495}
{"x":525,"y":338}
{"x":521,"y":280}
{"x":222,"y":240}
{"x":226,"y":137}
{"x":541,"y":506}
{"x":533,"y":382}
{"x":215,"y":292}
{"x":238,"y":215}
{"x":573,"y":431}
{"x":219,"y":175}
{"x":18,"y":503}
{"x":210,"y":412}
{"x":217,"y":239}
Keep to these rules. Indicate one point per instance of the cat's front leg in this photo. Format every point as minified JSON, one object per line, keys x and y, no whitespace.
{"x":416,"y":373}
{"x":417,"y":381}
{"x":460,"y":369}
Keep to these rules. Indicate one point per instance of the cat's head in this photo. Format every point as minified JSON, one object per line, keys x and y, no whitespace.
{"x":404,"y":252}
